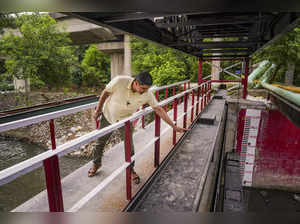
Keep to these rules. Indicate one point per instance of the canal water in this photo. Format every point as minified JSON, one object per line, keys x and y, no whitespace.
{"x":27,"y":186}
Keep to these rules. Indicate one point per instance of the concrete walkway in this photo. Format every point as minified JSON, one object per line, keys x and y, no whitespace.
{"x":113,"y":197}
{"x":179,"y":186}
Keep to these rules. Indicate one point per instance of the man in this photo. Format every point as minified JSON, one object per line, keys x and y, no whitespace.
{"x":120,"y":99}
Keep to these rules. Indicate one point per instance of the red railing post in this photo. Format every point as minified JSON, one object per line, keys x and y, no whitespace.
{"x":206,"y":95}
{"x":175,"y":119}
{"x":202,"y":97}
{"x":179,"y":89}
{"x":199,"y":71}
{"x":52,"y":176}
{"x":166,"y":96}
{"x":143,"y":117}
{"x":156,"y":95}
{"x":192,"y":110}
{"x":173,"y":90}
{"x":246,"y":79}
{"x":198,"y":97}
{"x":209,"y":88}
{"x":157,"y":142}
{"x":185,"y":110}
{"x":128,"y":159}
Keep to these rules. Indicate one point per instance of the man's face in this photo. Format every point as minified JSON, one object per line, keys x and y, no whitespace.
{"x":141,"y":88}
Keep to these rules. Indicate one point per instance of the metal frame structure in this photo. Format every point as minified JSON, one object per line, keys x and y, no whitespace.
{"x":194,"y":32}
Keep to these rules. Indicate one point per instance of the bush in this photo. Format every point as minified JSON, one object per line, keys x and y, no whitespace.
{"x":96,"y":67}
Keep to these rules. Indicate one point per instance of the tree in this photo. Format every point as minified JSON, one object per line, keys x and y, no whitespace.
{"x":96,"y":67}
{"x":40,"y":52}
{"x":285,"y":53}
{"x":164,"y":64}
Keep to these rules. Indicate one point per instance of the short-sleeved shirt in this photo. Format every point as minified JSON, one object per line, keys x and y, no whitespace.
{"x":122,"y":101}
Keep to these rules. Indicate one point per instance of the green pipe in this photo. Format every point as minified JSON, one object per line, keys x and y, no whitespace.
{"x":290,"y":96}
{"x":259,"y":71}
{"x":266,"y":76}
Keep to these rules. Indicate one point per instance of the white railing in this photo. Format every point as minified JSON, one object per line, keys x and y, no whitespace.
{"x":11,"y":173}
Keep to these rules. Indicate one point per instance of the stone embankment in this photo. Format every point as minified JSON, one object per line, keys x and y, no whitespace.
{"x":66,"y":128}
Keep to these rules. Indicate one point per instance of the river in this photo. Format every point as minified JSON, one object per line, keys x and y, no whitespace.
{"x":27,"y":186}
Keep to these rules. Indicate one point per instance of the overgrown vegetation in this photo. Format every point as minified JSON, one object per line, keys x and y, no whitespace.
{"x":285,"y":53}
{"x":165,"y":65}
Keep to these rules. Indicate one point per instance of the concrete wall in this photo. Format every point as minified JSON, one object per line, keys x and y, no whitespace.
{"x":234,"y":106}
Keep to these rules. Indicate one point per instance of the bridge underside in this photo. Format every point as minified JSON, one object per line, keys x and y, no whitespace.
{"x":199,"y":33}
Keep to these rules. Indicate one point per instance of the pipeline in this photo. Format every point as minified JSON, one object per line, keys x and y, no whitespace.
{"x":290,"y":88}
{"x":258,"y":72}
{"x":290,"y":96}
{"x":266,"y":76}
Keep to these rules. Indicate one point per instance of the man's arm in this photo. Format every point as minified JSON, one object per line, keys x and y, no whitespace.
{"x":103,"y":97}
{"x":163,"y":114}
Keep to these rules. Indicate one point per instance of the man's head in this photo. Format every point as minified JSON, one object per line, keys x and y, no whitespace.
{"x":143,"y":82}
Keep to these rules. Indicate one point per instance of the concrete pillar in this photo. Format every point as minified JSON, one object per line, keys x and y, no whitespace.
{"x":215,"y":72}
{"x":22,"y":85}
{"x":116,"y":64}
{"x":127,"y":55}
{"x":120,"y":56}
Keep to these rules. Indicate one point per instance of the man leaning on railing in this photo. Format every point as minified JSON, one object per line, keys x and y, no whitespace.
{"x":120,"y":99}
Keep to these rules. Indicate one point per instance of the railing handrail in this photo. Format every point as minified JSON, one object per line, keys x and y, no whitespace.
{"x":45,"y":117}
{"x":28,"y":165}
{"x":168,"y":86}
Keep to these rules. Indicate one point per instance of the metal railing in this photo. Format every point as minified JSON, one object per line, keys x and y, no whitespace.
{"x":50,"y":158}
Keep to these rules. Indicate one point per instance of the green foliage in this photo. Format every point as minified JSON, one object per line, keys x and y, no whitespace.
{"x":6,"y":20}
{"x":41,"y":52}
{"x":281,"y":52}
{"x":164,"y":64}
{"x":96,"y":67}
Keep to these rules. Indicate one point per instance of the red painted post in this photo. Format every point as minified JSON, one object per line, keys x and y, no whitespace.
{"x":192,"y":110}
{"x":202,"y":97}
{"x":157,"y":142}
{"x":184,"y":86}
{"x":199,"y":71}
{"x":246,"y":79}
{"x":185,"y":110}
{"x":179,"y":100}
{"x":197,"y":105}
{"x":156,"y":95}
{"x":166,"y":96}
{"x":143,"y":117}
{"x":128,"y":159}
{"x":52,"y":176}
{"x":209,"y":89}
{"x":175,"y":119}
{"x":174,"y":91}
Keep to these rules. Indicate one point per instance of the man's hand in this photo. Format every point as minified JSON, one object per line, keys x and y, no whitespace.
{"x":96,"y":115}
{"x":179,"y":129}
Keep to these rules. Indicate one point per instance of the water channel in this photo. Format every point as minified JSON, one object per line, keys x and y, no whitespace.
{"x":27,"y":186}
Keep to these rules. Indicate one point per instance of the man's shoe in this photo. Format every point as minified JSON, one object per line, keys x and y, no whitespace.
{"x":93,"y":170}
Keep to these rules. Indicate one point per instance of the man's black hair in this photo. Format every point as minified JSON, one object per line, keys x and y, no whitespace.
{"x":144,"y":78}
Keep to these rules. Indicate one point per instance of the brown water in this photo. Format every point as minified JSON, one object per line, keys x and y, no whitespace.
{"x":27,"y":186}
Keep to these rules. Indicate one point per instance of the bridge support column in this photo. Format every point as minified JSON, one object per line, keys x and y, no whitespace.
{"x":116,"y":64}
{"x":120,"y":56}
